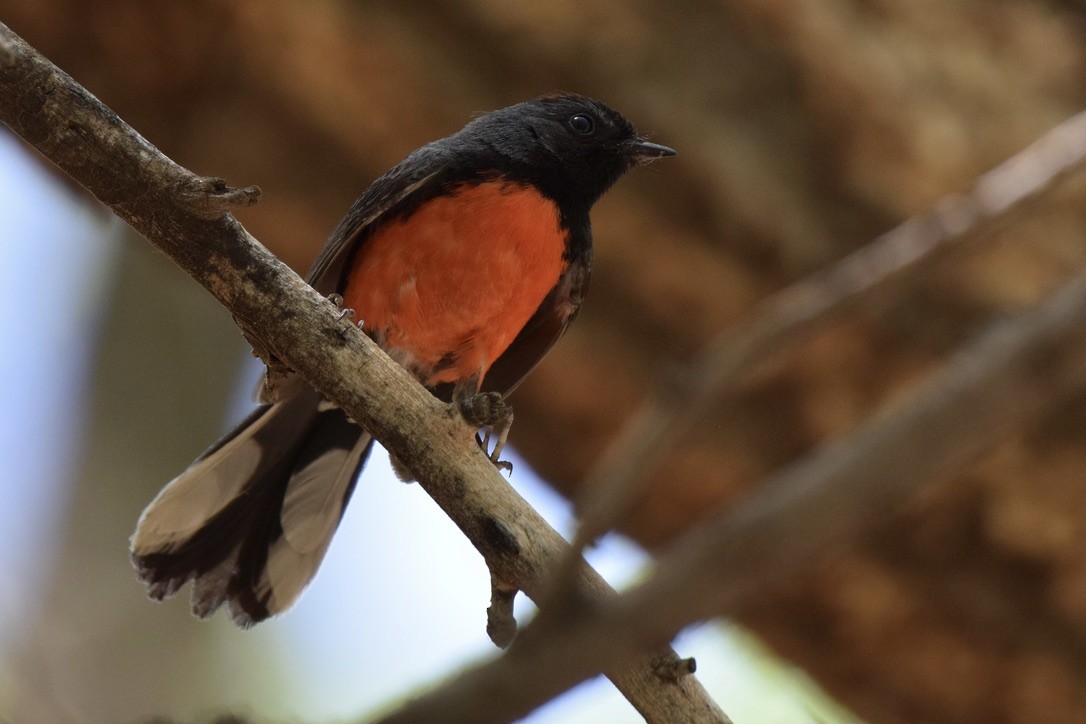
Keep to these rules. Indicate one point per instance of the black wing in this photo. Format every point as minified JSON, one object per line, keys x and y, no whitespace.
{"x":417,"y":177}
{"x":546,"y":326}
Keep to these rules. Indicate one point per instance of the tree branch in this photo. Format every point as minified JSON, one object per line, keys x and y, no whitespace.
{"x":1016,"y":371}
{"x":182,"y":215}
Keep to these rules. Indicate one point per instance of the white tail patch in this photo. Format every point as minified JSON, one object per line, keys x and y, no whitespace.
{"x":250,"y":521}
{"x":312,"y":509}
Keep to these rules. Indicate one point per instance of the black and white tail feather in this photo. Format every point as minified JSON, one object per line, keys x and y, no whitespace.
{"x":250,"y":521}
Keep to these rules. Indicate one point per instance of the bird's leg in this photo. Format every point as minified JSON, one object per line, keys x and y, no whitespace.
{"x":487,"y":410}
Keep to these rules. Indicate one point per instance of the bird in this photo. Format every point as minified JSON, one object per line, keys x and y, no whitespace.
{"x":465,"y":263}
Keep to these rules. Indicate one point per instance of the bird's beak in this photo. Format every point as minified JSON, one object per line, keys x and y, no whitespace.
{"x":641,"y":150}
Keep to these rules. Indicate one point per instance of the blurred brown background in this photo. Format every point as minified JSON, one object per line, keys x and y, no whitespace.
{"x":804,"y":129}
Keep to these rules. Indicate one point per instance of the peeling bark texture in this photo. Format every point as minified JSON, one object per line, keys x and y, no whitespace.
{"x":805,"y":129}
{"x":161,"y":200}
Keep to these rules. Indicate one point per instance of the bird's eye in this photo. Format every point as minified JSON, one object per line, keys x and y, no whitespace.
{"x":582,"y":124}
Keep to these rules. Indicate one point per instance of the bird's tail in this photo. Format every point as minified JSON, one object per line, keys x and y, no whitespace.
{"x":250,"y":520}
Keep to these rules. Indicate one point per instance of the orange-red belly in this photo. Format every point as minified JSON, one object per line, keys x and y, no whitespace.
{"x":446,"y":290}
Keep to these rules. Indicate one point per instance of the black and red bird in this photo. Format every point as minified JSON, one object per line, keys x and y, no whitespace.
{"x":466,"y":262}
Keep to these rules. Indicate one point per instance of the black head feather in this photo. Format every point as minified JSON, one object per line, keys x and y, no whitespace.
{"x":571,"y":147}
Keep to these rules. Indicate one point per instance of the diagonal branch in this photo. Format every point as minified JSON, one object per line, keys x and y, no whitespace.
{"x":184,"y":216}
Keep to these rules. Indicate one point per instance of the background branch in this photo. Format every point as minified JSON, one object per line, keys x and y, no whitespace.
{"x":155,"y":196}
{"x":622,"y":475}
{"x":997,"y":384}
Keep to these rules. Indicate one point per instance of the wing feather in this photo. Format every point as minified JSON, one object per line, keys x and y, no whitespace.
{"x":425,"y":168}
{"x":546,"y":326}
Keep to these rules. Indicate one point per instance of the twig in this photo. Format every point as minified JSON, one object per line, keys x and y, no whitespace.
{"x":210,"y":198}
{"x":154,"y":195}
{"x":999,"y":383}
{"x":501,"y":626}
{"x":621,"y":477}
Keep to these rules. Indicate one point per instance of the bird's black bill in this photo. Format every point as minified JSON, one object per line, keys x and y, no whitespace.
{"x":645,"y":151}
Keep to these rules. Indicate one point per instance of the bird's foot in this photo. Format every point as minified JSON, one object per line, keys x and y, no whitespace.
{"x":344,"y":312}
{"x":490,"y":411}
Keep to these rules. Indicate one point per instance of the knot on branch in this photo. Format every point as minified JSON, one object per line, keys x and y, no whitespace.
{"x":670,"y":667}
{"x":210,"y":198}
{"x":500,"y":538}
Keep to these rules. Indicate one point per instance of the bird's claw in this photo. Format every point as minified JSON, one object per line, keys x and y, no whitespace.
{"x":344,"y":312}
{"x":490,"y":411}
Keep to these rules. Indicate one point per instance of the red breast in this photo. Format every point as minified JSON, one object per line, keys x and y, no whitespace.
{"x":446,"y":289}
